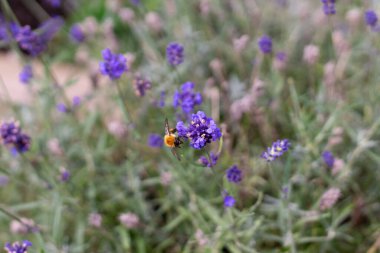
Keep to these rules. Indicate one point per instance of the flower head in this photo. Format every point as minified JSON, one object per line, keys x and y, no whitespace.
{"x":30,"y":41}
{"x":201,"y":130}
{"x":155,"y":141}
{"x":76,"y":101}
{"x":234,"y":175}
{"x":141,"y":85}
{"x":328,"y":7}
{"x":175,"y":53}
{"x":209,"y":162}
{"x":329,"y":198}
{"x":61,"y":107}
{"x":54,"y":3}
{"x":187,"y":98}
{"x":95,"y":220}
{"x":129,"y":220}
{"x":77,"y":34}
{"x":370,"y":18}
{"x":12,"y":136}
{"x":26,"y":74}
{"x":265,"y":44}
{"x":277,"y":149}
{"x":64,"y":174}
{"x":114,"y":65}
{"x":328,"y":158}
{"x":17,"y":247}
{"x":229,"y":201}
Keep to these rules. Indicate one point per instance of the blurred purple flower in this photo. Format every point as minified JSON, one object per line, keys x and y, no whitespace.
{"x":328,"y":158}
{"x":234,"y":175}
{"x":114,"y":65}
{"x":277,"y":149}
{"x":328,"y":7}
{"x":50,"y":27}
{"x":155,"y":141}
{"x":11,"y":135}
{"x":265,"y":44}
{"x":201,"y":130}
{"x":187,"y":98}
{"x":64,"y":174}
{"x":17,"y":247}
{"x":76,"y":101}
{"x":54,"y":3}
{"x":129,"y":220}
{"x":135,"y":2}
{"x":229,"y":201}
{"x":4,"y":180}
{"x":61,"y":107}
{"x":22,"y":144}
{"x":370,"y":18}
{"x":141,"y":85}
{"x":329,"y":198}
{"x":211,"y":162}
{"x":95,"y":220}
{"x":161,"y":102}
{"x":76,"y":34}
{"x":175,"y":53}
{"x":26,"y":74}
{"x":30,"y":41}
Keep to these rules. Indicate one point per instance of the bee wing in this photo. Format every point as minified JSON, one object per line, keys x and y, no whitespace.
{"x":167,"y":130}
{"x":175,"y":154}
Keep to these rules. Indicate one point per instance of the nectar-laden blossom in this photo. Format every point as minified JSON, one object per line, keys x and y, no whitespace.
{"x":277,"y":149}
{"x":18,"y":247}
{"x":329,"y":198}
{"x":328,"y":158}
{"x":76,"y":34}
{"x":114,"y":65}
{"x":201,"y":130}
{"x":328,"y":7}
{"x":370,"y":18}
{"x":26,"y":74}
{"x":175,"y":53}
{"x":209,"y":162}
{"x":187,"y":98}
{"x":229,"y":201}
{"x":141,"y":85}
{"x":155,"y":141}
{"x":265,"y":44}
{"x":234,"y":175}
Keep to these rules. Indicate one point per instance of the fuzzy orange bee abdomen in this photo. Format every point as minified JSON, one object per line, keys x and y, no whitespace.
{"x":169,"y":140}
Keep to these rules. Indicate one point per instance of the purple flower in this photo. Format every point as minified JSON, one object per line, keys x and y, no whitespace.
{"x":76,"y":101}
{"x":328,"y":158}
{"x":135,"y":2}
{"x":155,"y":141}
{"x":187,"y":98}
{"x":328,"y":7}
{"x":9,"y":131}
{"x":281,"y":56}
{"x":174,"y":53}
{"x":64,"y":174}
{"x":141,"y":85}
{"x":18,"y":247}
{"x":61,"y":107}
{"x":201,"y":130}
{"x":209,"y":163}
{"x":161,"y":102}
{"x":329,"y":198}
{"x":234,"y":175}
{"x":26,"y":74}
{"x":76,"y":34}
{"x":30,"y":41}
{"x":4,"y":180}
{"x":22,"y":143}
{"x":114,"y":65}
{"x":265,"y":44}
{"x":277,"y":149}
{"x":370,"y":18}
{"x":229,"y":201}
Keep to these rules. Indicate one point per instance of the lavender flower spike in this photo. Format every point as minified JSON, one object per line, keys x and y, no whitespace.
{"x":234,"y":175}
{"x":370,"y":18}
{"x":26,"y":74}
{"x":277,"y":149}
{"x":174,"y":53}
{"x":187,"y":98}
{"x":202,"y":130}
{"x":114,"y":65}
{"x":265,"y":44}
{"x":18,"y":247}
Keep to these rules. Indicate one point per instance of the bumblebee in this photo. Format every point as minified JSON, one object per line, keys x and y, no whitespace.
{"x":171,"y":140}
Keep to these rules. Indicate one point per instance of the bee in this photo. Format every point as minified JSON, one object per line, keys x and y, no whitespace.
{"x":171,"y":140}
